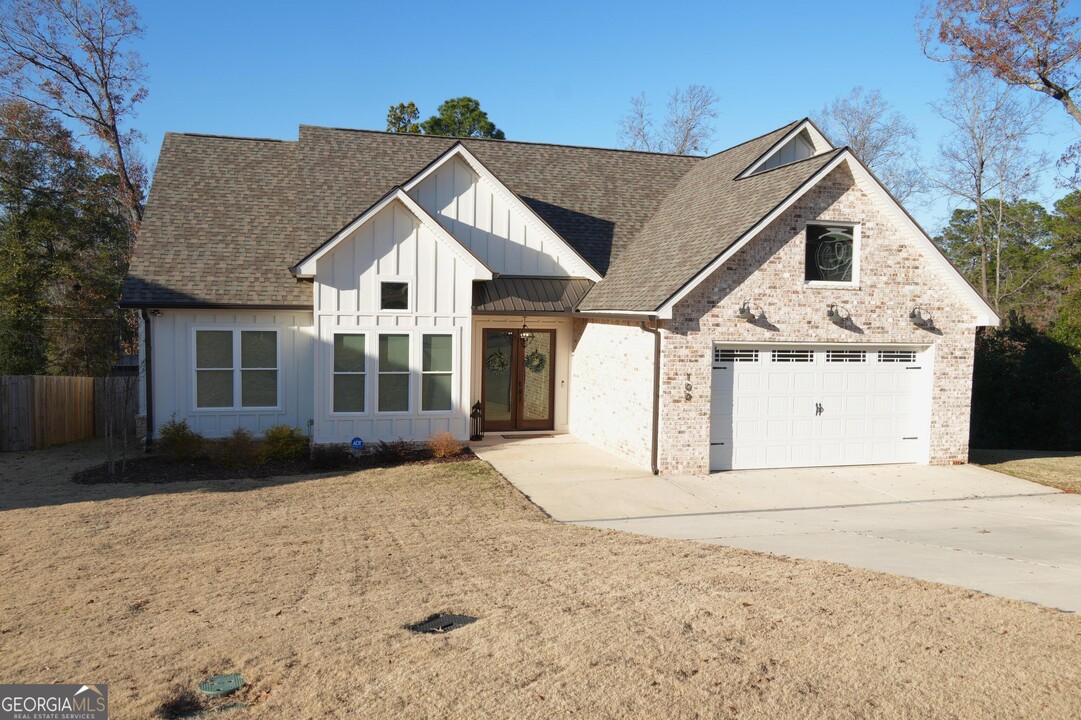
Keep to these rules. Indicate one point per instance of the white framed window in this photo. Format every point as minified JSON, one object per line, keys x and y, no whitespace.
{"x":349,"y":373}
{"x":392,"y":391}
{"x":832,"y":253}
{"x":437,"y":373}
{"x":236,"y":368}
{"x":395,"y":295}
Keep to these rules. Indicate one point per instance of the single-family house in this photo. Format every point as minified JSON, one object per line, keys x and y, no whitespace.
{"x":771,"y":305}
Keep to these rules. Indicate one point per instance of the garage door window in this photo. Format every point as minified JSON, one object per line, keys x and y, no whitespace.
{"x":734,"y":355}
{"x":846,"y":356}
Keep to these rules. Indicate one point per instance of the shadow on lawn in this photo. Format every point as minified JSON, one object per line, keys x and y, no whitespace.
{"x":991,"y":456}
{"x":42,"y":478}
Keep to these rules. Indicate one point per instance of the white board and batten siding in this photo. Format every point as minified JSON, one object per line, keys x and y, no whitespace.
{"x":392,"y":246}
{"x":775,"y":407}
{"x":494,"y":225}
{"x":173,"y":369}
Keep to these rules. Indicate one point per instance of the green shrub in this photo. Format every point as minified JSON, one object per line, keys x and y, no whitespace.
{"x":179,"y":443}
{"x":331,"y":457}
{"x":283,"y":443}
{"x":239,"y":450}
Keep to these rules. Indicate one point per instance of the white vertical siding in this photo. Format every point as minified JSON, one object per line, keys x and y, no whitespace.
{"x":497,"y":227}
{"x":393,"y":245}
{"x":172,"y":336}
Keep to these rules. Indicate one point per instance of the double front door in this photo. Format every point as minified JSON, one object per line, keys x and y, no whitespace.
{"x":519,"y":380}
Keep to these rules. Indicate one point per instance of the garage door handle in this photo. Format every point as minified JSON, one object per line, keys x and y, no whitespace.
{"x":818,"y":409}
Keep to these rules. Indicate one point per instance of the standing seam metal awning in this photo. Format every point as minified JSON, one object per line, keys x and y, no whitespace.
{"x":525,"y":295}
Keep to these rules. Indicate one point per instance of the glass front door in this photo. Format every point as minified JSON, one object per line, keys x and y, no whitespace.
{"x":519,"y":382}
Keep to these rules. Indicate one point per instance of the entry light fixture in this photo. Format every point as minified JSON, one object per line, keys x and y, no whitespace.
{"x":838,"y":315}
{"x":155,"y":312}
{"x":921,"y":318}
{"x":525,"y":334}
{"x":750,"y":312}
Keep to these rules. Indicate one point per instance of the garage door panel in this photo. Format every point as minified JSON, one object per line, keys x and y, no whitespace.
{"x":765,"y":407}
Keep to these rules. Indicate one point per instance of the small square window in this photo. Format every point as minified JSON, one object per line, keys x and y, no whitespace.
{"x":393,"y":296}
{"x":830,"y":254}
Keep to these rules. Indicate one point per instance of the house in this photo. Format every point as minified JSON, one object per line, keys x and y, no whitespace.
{"x":768,"y":306}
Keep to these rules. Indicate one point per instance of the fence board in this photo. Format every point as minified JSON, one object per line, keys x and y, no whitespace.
{"x":39,"y":411}
{"x":16,"y":424}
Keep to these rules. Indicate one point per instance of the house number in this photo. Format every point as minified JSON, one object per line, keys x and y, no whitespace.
{"x":687,"y":387}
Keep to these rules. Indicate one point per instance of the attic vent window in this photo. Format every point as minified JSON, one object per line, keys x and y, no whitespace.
{"x":393,"y":295}
{"x":831,"y":252}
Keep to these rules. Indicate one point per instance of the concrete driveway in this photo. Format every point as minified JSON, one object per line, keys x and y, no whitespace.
{"x":961,"y":525}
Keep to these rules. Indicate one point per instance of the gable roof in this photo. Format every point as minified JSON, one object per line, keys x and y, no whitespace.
{"x":306,"y":267}
{"x":227,"y":217}
{"x":707,"y":211}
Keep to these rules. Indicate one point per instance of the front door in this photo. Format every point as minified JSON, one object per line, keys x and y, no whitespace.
{"x":519,"y":381}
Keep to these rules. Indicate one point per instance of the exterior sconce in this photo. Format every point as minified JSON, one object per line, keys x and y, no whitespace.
{"x":921,"y":318}
{"x":155,"y":313}
{"x":838,"y":315}
{"x":748,"y":314}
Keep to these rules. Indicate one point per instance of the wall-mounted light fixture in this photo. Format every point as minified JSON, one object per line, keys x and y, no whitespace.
{"x":750,"y":312}
{"x":838,"y":315}
{"x":921,"y":318}
{"x":155,"y":312}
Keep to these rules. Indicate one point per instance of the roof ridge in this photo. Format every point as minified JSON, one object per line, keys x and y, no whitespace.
{"x":511,"y":142}
{"x":217,"y":136}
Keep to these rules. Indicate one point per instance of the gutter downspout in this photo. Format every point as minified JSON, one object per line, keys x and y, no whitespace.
{"x":148,"y":379}
{"x":653,"y":447}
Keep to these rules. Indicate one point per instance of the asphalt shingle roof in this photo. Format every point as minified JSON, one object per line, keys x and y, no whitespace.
{"x":227,"y":217}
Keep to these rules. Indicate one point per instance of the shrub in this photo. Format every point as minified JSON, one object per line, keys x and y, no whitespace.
{"x":393,"y":452}
{"x":284,"y":444}
{"x":331,"y":457}
{"x":239,"y":450}
{"x":179,"y":443}
{"x":444,"y":445}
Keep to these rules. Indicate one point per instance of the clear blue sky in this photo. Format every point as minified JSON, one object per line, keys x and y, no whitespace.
{"x":545,"y":72}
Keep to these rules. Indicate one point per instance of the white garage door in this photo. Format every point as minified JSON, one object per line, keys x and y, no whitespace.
{"x":802,"y":407}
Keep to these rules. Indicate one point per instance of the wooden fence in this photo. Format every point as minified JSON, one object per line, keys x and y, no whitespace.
{"x":37,"y":411}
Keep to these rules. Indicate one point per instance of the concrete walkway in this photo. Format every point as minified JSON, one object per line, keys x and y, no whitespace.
{"x":962,"y":525}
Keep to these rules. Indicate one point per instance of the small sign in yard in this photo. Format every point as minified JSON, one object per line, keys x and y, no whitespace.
{"x":358,"y":444}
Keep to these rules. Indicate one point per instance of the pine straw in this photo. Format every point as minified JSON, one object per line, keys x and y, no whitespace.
{"x":303,"y":586}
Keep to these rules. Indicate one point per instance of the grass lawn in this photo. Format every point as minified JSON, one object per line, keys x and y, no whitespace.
{"x":1060,"y":470}
{"x":303,"y":585}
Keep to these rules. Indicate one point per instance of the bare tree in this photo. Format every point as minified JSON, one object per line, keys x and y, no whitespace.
{"x":986,"y":156}
{"x":686,"y":129}
{"x":73,"y":58}
{"x":879,"y":136}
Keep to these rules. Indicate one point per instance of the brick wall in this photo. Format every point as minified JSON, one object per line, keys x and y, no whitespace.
{"x":894,"y":276}
{"x":611,"y":397}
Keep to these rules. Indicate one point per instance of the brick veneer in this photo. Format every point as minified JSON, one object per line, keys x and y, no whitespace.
{"x":894,"y":276}
{"x":611,"y":396}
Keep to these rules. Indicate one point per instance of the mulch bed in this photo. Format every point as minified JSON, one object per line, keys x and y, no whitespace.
{"x":157,"y":469}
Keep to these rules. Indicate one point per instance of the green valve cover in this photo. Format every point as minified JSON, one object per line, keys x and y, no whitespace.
{"x":221,"y":685}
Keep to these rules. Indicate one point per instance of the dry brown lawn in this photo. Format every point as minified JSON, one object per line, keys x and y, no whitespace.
{"x":1060,"y":470}
{"x":303,"y":585}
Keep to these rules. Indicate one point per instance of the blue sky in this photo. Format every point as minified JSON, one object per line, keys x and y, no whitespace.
{"x":559,"y":72}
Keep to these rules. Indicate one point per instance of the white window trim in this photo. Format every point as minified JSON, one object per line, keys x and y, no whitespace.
{"x":854,"y":283}
{"x":367,"y":411}
{"x":410,"y":287}
{"x":454,"y":371}
{"x":410,"y":374}
{"x":237,"y":369}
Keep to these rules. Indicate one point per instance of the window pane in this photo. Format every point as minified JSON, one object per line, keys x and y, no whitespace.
{"x":393,"y":353}
{"x":349,"y":353}
{"x":258,"y":349}
{"x":393,"y":393}
{"x":214,"y":388}
{"x":437,"y":353}
{"x":349,"y":393}
{"x":214,"y":349}
{"x":435,"y":392}
{"x":394,"y":296}
{"x":829,"y":254}
{"x":259,"y":388}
